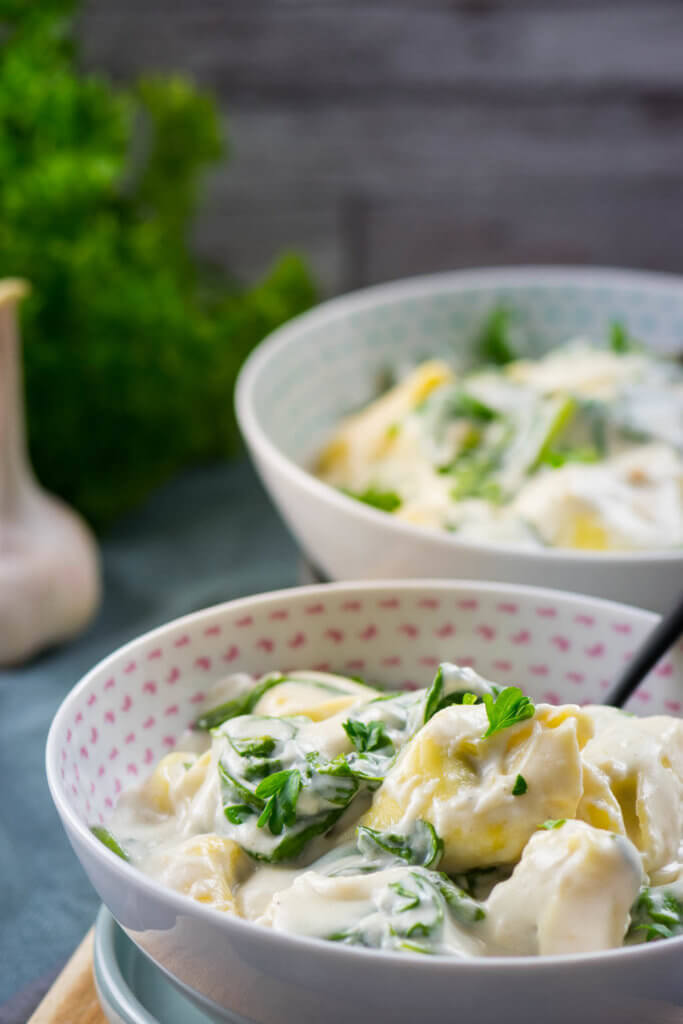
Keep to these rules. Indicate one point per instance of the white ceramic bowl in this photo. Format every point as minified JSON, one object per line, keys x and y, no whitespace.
{"x":298,"y":384}
{"x":130,"y":709}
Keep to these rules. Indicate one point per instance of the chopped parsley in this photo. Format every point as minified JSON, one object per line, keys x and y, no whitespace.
{"x":280,"y":792}
{"x":520,"y":787}
{"x":552,"y":823}
{"x":368,"y":736}
{"x":509,"y":707}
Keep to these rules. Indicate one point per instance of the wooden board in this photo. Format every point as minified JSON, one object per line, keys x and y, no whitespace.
{"x":73,"y":998}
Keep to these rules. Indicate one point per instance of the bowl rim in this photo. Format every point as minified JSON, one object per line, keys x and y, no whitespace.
{"x":182,"y":904}
{"x":423,"y":286}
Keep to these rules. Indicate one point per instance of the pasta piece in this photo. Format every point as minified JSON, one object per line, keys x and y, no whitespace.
{"x":571,"y":892}
{"x":462,"y":783}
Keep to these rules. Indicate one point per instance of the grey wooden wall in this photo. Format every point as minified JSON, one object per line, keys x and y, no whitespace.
{"x":391,"y":137}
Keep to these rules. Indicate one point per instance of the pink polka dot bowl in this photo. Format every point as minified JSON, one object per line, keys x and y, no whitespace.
{"x":131,"y":709}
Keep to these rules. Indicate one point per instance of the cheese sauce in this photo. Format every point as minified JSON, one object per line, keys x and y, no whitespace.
{"x":582,"y":448}
{"x":459,"y":819}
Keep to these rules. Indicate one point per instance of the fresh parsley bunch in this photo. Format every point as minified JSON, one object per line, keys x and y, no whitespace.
{"x":131,"y":347}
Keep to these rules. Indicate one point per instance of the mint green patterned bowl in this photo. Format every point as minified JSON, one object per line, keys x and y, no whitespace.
{"x":307,"y":375}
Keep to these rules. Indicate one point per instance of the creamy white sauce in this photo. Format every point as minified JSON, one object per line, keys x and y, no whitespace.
{"x":624,"y":412}
{"x":551,"y":864}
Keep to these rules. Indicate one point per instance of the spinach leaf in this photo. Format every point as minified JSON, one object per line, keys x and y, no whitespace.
{"x":437,"y":699}
{"x":105,"y":837}
{"x":620,"y":341}
{"x":422,"y":846}
{"x":385,"y":501}
{"x":493,"y":344}
{"x":242,"y":705}
{"x":656,"y":914}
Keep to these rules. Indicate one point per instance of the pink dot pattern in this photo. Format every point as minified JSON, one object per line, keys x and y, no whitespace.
{"x":135,"y":706}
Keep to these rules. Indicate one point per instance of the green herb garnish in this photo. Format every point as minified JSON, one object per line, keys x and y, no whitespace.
{"x":280,"y":792}
{"x":520,"y":787}
{"x":620,"y":341}
{"x":493,"y":344}
{"x":552,"y":823}
{"x":385,"y":501}
{"x":108,"y":840}
{"x":462,"y":405}
{"x":368,"y":737}
{"x":555,"y":458}
{"x":509,"y":707}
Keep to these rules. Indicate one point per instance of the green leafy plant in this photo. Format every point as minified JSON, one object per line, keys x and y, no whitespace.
{"x":131,"y":346}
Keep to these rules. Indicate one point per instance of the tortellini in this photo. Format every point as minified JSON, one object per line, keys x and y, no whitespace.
{"x":572,"y":889}
{"x":461,"y":782}
{"x":459,"y":819}
{"x":206,"y":867}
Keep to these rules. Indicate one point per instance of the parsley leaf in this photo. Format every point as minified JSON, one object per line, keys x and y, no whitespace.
{"x":552,"y":823}
{"x":281,"y":792}
{"x":509,"y":707}
{"x":105,"y":837}
{"x":367,"y":737}
{"x":520,"y":787}
{"x":386,"y":501}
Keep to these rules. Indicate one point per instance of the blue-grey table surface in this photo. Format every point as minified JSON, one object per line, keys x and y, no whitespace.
{"x":208,"y":536}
